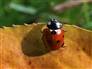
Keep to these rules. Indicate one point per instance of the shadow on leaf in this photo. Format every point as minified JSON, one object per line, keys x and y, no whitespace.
{"x":32,"y":44}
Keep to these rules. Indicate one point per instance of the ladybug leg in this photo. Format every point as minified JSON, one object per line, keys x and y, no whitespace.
{"x":62,"y":45}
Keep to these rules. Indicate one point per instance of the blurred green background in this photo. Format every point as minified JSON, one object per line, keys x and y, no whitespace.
{"x":29,"y":11}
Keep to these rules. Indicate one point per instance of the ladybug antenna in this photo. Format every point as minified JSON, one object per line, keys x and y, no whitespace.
{"x":53,"y":19}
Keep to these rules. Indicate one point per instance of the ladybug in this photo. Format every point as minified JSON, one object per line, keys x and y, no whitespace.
{"x":53,"y":35}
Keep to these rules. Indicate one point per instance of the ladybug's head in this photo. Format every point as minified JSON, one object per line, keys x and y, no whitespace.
{"x":54,"y":26}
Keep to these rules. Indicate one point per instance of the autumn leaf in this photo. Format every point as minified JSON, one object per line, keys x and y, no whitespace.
{"x":21,"y":47}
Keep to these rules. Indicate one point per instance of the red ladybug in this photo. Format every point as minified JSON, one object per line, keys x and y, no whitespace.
{"x":53,"y":35}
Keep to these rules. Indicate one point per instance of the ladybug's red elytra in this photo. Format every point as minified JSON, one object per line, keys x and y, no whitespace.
{"x":53,"y":35}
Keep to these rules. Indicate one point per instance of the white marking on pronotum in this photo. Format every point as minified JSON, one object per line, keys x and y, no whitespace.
{"x":49,"y":23}
{"x":51,"y":30}
{"x":58,"y":31}
{"x":59,"y":24}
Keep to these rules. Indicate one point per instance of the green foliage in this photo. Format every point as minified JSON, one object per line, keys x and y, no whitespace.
{"x":21,"y":11}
